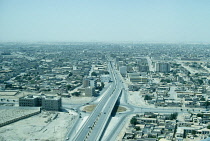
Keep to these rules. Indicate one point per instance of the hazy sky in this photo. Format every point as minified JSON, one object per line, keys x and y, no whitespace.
{"x":107,"y":20}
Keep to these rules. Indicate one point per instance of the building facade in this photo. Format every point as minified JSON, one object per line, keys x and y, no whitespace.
{"x":89,"y":91}
{"x":162,"y":67}
{"x":89,"y":81}
{"x":123,"y":70}
{"x":51,"y":103}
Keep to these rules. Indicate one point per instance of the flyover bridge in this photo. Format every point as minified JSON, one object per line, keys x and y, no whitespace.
{"x":94,"y":126}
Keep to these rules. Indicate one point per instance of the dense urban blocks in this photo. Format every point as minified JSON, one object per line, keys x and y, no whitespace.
{"x":168,"y":83}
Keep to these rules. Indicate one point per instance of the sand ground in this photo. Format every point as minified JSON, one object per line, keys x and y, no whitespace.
{"x":44,"y":126}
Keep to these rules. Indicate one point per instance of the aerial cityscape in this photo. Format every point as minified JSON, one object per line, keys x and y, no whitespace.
{"x":114,"y":70}
{"x":104,"y":91}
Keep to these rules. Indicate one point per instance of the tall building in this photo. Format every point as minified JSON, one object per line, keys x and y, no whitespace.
{"x":143,"y":68}
{"x":86,"y":82}
{"x":89,"y":81}
{"x":162,"y":67}
{"x":89,"y":91}
{"x":136,"y":78}
{"x":123,"y":70}
{"x":93,"y":82}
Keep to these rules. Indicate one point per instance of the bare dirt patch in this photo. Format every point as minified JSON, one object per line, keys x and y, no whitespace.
{"x":77,"y":100}
{"x":90,"y":108}
{"x":44,"y":126}
{"x":121,"y":109}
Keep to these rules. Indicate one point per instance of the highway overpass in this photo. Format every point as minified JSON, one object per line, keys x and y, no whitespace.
{"x":94,"y":126}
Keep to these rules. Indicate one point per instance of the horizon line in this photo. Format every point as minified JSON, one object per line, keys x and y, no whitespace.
{"x":130,"y":42}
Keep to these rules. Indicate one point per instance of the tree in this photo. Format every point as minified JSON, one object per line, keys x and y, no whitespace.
{"x":8,"y":86}
{"x":200,"y":81}
{"x":102,"y":84}
{"x":133,"y":121}
{"x":70,"y":74}
{"x":193,"y":132}
{"x":207,"y":103}
{"x":106,"y":72}
{"x":208,"y":127}
{"x":165,"y":80}
{"x":202,"y":99}
{"x":38,"y":78}
{"x":173,"y":116}
{"x":29,"y":78}
{"x":76,"y":93}
{"x":37,"y":87}
{"x":200,"y":115}
{"x":137,"y":128}
{"x":99,"y":88}
{"x":196,"y":74}
{"x":151,"y":136}
{"x":93,"y":74}
{"x":147,"y":97}
{"x":68,"y":87}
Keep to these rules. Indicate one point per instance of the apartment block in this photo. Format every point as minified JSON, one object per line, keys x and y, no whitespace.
{"x":51,"y":103}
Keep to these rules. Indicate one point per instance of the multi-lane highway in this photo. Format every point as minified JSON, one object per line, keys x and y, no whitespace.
{"x":96,"y":122}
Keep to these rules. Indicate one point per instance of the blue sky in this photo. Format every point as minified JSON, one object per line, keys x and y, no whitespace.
{"x":107,"y":20}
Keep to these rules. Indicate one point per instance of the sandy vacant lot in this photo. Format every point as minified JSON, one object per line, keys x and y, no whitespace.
{"x":77,"y":100}
{"x":136,"y":99}
{"x":51,"y":126}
